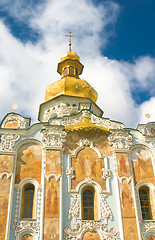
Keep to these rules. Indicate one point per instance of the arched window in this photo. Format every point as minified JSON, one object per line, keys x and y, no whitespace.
{"x":71,"y":70}
{"x":27,"y":205}
{"x":88,"y":204}
{"x":27,"y":237}
{"x":65,"y":71}
{"x":144,"y":195}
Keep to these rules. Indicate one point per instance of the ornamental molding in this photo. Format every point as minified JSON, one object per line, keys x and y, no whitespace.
{"x":61,"y":111}
{"x":107,"y":123}
{"x":72,"y":120}
{"x":8,"y":175}
{"x":147,"y":129}
{"x":48,"y":178}
{"x":106,"y":173}
{"x":70,"y":172}
{"x":53,"y":137}
{"x":26,"y":225}
{"x":84,"y":226}
{"x":104,"y":208}
{"x":74,"y":209}
{"x":8,"y":141}
{"x":147,"y":227}
{"x":86,"y":142}
{"x":125,"y":179}
{"x":22,"y":122}
{"x":120,"y":140}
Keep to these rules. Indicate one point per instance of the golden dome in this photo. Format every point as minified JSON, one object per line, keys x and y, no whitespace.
{"x":70,"y":84}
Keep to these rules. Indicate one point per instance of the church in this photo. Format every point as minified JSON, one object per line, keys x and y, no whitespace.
{"x":75,"y":175}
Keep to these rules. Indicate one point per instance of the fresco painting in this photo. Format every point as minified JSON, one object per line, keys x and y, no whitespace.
{"x":52,"y":198}
{"x":91,"y":236}
{"x":29,"y":161}
{"x":127,"y":201}
{"x":130,"y":229}
{"x":88,"y":164}
{"x":51,"y":229}
{"x":6,"y":162}
{"x":151,"y":237}
{"x":53,"y":162}
{"x":11,"y":124}
{"x":142,"y":165}
{"x":122,"y":165}
{"x":99,"y":141}
{"x":4,"y":199}
{"x":27,"y":237}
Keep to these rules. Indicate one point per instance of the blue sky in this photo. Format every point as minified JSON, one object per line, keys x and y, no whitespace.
{"x":115,"y":41}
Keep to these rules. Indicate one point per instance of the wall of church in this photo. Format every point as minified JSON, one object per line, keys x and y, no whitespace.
{"x":6,"y":163}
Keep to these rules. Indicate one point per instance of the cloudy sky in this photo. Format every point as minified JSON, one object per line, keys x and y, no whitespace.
{"x":115,"y":41}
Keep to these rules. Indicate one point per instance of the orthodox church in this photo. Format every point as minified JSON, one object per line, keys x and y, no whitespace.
{"x":75,"y":175}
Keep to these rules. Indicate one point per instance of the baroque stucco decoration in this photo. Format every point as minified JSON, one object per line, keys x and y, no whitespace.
{"x":76,"y":232}
{"x":53,"y":137}
{"x":73,"y":120}
{"x":8,"y":141}
{"x":120,"y":140}
{"x":20,"y":121}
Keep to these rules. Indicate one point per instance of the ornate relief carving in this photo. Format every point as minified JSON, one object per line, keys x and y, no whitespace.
{"x":70,"y":172}
{"x":147,"y":129}
{"x":106,"y":173}
{"x":84,"y":226}
{"x":61,"y":110}
{"x":48,"y":178}
{"x":8,"y":175}
{"x":148,"y":226}
{"x":23,"y":225}
{"x":106,"y":123}
{"x":125,"y":179}
{"x":8,"y":141}
{"x":20,"y":122}
{"x":53,"y":137}
{"x":86,"y":142}
{"x":120,"y":140}
{"x":39,"y":204}
{"x":17,"y":204}
{"x":104,"y":208}
{"x":74,"y":209}
{"x":72,"y":120}
{"x":88,"y":180}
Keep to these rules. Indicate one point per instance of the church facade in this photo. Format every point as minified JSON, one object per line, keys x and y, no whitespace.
{"x":75,"y":174}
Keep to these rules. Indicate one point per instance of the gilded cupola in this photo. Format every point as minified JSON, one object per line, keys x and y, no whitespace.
{"x":70,"y":84}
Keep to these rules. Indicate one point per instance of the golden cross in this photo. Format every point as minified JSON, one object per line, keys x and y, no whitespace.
{"x":70,"y":36}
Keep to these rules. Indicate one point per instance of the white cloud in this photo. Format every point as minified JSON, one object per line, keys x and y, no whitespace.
{"x":27,"y":69}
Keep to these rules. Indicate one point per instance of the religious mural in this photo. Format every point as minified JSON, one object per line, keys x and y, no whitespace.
{"x":27,"y":237}
{"x":51,"y":229}
{"x":91,"y":236}
{"x":123,"y":165}
{"x":29,"y":161}
{"x":142,"y":165}
{"x":88,"y":164}
{"x":53,"y":162}
{"x":52,"y":202}
{"x":127,"y":199}
{"x":151,"y":237}
{"x":6,"y":162}
{"x":4,"y":199}
{"x":130,"y":229}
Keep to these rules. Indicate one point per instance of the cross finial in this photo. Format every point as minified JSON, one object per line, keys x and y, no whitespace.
{"x":70,"y":35}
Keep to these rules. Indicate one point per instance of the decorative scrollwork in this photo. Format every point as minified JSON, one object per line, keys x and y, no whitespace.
{"x":74,"y":209}
{"x":8,"y":141}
